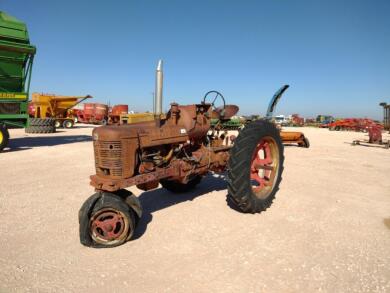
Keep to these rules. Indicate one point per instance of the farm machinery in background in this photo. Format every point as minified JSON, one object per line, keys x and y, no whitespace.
{"x":235,"y":123}
{"x":16,"y":61}
{"x":176,"y":150}
{"x":374,"y":137}
{"x":353,"y":124}
{"x":324,"y":120}
{"x":114,"y":113}
{"x":93,"y":113}
{"x":375,"y":130}
{"x":56,"y":107}
{"x":288,"y":137}
{"x":297,"y":120}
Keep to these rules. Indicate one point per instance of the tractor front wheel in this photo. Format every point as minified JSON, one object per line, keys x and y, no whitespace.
{"x":106,"y":220}
{"x":255,"y":167}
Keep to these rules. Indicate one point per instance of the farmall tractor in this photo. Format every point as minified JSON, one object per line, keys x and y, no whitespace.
{"x":176,"y":150}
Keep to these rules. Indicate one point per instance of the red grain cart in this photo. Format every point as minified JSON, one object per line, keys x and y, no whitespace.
{"x":116,"y":112}
{"x":93,"y":113}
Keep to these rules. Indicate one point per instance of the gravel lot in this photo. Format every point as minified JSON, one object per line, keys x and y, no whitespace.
{"x":327,"y":230}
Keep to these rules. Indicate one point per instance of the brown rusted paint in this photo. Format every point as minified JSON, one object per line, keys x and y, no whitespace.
{"x":172,"y":147}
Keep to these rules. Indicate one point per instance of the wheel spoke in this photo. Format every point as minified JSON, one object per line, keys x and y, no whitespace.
{"x":263,"y":167}
{"x":106,"y":224}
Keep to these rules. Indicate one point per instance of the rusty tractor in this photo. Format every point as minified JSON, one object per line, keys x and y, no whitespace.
{"x":176,"y":150}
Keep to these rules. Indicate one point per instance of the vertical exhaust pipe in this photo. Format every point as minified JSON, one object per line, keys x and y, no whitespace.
{"x":158,"y":98}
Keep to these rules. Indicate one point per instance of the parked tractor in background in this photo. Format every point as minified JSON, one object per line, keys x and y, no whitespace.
{"x":176,"y":150}
{"x":56,"y":107}
{"x":16,"y":61}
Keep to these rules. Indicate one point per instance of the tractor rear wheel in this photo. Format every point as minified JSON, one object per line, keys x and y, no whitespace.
{"x":177,"y":187}
{"x":106,"y":220}
{"x":4,"y":136}
{"x":255,"y":167}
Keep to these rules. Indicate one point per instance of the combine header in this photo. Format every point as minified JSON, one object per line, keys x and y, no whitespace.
{"x":176,"y":150}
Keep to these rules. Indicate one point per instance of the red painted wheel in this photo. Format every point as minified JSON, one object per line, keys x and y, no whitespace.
{"x":109,"y":225}
{"x":255,"y":167}
{"x":264,"y":166}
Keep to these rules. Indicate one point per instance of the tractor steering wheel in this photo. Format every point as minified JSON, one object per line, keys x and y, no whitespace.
{"x":218,"y":94}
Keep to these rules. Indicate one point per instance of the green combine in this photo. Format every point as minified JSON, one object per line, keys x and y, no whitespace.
{"x":16,"y":60}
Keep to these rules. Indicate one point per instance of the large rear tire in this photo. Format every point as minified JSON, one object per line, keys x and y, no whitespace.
{"x":42,"y":122}
{"x":38,"y":125}
{"x":178,"y":187}
{"x":255,"y":167}
{"x":4,"y":136}
{"x":40,"y":129}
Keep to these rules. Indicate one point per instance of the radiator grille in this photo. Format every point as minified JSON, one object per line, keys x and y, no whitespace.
{"x":9,"y":108}
{"x":108,"y":158}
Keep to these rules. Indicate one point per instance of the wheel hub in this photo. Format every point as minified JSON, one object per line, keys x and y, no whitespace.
{"x":264,"y":167}
{"x":108,"y":225}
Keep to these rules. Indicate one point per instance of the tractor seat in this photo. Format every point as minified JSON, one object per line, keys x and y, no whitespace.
{"x":225,"y":113}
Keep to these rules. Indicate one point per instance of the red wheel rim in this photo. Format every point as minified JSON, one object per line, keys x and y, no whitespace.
{"x":264,"y":167}
{"x":109,"y":225}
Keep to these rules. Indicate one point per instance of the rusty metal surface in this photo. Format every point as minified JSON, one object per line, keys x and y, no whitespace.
{"x":176,"y":146}
{"x":226,"y":112}
{"x":115,"y":184}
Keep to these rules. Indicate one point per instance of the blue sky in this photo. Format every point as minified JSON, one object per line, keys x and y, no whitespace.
{"x":334,"y":54}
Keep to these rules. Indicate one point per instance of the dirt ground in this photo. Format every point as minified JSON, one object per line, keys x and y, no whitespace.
{"x":327,"y":230}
